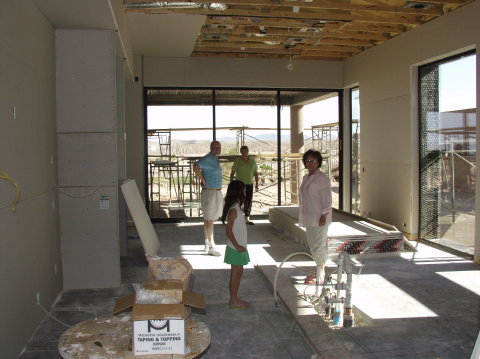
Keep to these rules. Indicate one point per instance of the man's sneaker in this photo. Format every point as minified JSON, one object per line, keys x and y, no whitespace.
{"x":213,"y":252}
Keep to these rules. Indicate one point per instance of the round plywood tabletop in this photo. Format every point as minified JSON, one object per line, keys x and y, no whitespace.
{"x":111,"y":338}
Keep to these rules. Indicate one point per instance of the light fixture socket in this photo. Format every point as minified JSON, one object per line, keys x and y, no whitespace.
{"x":417,"y":5}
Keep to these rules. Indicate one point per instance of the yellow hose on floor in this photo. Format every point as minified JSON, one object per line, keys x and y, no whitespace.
{"x":5,"y":176}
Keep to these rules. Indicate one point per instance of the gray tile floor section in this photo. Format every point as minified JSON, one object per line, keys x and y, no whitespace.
{"x":419,"y":305}
{"x":262,"y":331}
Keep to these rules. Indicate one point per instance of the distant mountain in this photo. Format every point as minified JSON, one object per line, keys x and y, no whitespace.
{"x":264,"y":137}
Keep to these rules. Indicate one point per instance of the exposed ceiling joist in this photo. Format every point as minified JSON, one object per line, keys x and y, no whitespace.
{"x":302,"y":29}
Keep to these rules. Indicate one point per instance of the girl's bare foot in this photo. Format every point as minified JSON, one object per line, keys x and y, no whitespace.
{"x":238,"y":303}
{"x":310,"y":279}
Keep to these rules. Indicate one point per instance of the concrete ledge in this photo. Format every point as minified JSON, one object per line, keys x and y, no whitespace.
{"x":327,"y":342}
{"x":359,"y":236}
{"x":285,"y":219}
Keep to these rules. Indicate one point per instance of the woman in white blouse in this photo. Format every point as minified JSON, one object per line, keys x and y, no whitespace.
{"x":315,"y":213}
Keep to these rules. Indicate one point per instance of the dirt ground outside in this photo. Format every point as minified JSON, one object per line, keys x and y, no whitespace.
{"x":170,"y":202}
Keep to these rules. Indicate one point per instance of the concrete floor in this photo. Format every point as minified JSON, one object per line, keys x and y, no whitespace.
{"x":423,"y":304}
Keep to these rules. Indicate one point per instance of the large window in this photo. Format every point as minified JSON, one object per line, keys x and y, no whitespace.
{"x":253,"y":124}
{"x":355,"y":145}
{"x":448,"y":152}
{"x":276,"y":125}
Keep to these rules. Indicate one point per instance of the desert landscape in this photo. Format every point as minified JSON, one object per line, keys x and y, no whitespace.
{"x":174,"y":192}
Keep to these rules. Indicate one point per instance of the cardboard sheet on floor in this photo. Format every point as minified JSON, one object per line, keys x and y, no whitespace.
{"x":140,"y":217}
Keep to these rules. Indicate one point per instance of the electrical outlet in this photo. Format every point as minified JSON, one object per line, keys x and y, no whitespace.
{"x":38,"y":297}
{"x":55,"y":269}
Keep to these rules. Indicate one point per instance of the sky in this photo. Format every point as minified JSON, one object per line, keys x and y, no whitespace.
{"x":235,"y":116}
{"x":457,"y":84}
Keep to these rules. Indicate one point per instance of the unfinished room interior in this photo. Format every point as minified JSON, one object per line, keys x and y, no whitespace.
{"x":106,"y":105}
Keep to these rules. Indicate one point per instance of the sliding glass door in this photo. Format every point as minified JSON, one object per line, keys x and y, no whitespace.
{"x":448,"y":152}
{"x":276,"y":125}
{"x":355,"y":145}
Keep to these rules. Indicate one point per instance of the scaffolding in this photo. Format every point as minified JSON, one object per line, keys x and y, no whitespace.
{"x":173,"y":187}
{"x":167,"y":170}
{"x":325,"y":139}
{"x":162,"y":138}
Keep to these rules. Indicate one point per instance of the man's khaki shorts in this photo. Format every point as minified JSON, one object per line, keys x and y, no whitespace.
{"x":212,"y":203}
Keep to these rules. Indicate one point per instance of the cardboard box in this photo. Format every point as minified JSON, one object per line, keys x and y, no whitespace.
{"x":170,"y":268}
{"x":160,"y":328}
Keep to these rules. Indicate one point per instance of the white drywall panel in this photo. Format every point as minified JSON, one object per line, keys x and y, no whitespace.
{"x":379,"y":200}
{"x":28,"y":139}
{"x":89,"y":235}
{"x":386,"y":125}
{"x":87,"y":159}
{"x":85,"y":80}
{"x":121,"y":153}
{"x":29,"y":239}
{"x":29,"y":254}
{"x":227,"y":72}
{"x":125,"y":48}
{"x":134,"y":128}
{"x":73,"y":14}
{"x":152,"y":35}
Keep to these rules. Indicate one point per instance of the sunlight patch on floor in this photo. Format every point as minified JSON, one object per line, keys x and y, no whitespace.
{"x":380,"y":299}
{"x":469,"y":280}
{"x":199,"y":259}
{"x":259,"y":255}
{"x":430,"y":255}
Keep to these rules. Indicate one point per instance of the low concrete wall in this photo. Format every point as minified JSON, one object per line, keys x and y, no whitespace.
{"x":353,"y":234}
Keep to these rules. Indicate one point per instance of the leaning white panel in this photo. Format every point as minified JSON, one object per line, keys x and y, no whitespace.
{"x":140,"y":217}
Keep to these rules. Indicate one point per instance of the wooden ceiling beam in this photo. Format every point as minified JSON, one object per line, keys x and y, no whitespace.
{"x":253,"y":54}
{"x":324,"y":34}
{"x":262,"y":45}
{"x":347,"y":40}
{"x":266,"y":56}
{"x":355,"y":35}
{"x":285,"y":14}
{"x":283,"y":38}
{"x":322,"y":5}
{"x":439,"y":2}
{"x":267,"y":50}
{"x":321,"y":58}
{"x":246,"y":21}
{"x":292,"y":24}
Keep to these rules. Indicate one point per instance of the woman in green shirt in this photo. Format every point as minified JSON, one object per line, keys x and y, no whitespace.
{"x":245,"y":169}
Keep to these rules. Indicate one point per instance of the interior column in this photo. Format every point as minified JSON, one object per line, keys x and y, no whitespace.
{"x":296,"y":146}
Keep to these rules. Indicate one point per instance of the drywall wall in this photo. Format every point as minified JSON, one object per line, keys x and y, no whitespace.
{"x":121,"y":151}
{"x":386,"y":75}
{"x":88,"y":170}
{"x":227,"y":72}
{"x":29,"y":242}
{"x":134,"y":127}
{"x":124,"y":47}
